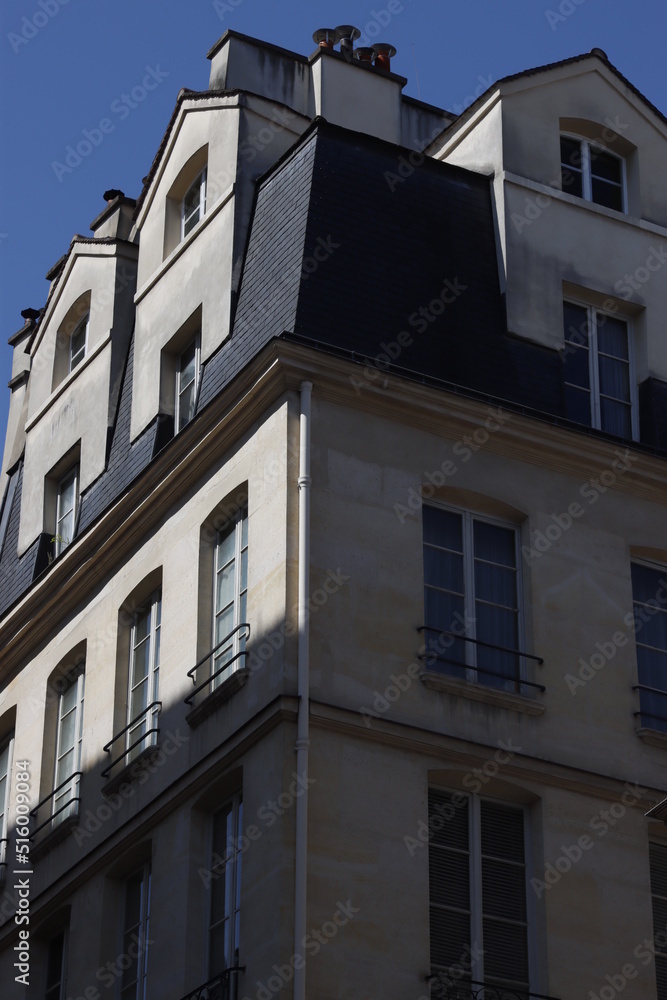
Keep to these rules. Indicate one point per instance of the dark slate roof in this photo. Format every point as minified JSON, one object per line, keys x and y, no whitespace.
{"x":16,"y":574}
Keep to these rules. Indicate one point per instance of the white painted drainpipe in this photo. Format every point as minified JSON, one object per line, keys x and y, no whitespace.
{"x":303,"y":691}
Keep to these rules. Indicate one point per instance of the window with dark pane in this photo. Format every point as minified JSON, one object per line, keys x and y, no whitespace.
{"x":230,"y":597}
{"x":658,"y":866}
{"x":649,"y":594}
{"x":225,"y":890}
{"x":55,"y":967}
{"x":144,"y":674}
{"x":135,"y":938}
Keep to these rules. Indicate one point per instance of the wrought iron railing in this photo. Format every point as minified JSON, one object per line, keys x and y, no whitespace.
{"x":519,"y":682}
{"x":221,"y":987}
{"x":212,"y":677}
{"x":56,"y":816}
{"x":149,"y":736}
{"x":443,"y":987}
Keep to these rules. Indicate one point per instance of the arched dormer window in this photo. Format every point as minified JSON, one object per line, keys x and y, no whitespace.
{"x":72,"y":339}
{"x":596,"y":163}
{"x":186,"y":200}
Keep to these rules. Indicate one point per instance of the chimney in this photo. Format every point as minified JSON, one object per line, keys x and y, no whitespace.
{"x":347,"y":36}
{"x":115,"y":220}
{"x":383,"y":55}
{"x":326,"y":38}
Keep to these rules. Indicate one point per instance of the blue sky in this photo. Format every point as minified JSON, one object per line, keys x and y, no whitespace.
{"x":66,"y":65}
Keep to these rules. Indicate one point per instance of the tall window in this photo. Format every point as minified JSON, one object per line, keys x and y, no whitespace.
{"x":225,"y":893}
{"x":230,"y":596}
{"x":67,"y":503}
{"x":471,"y":591}
{"x":649,"y":593}
{"x":658,"y":863}
{"x":78,"y":342}
{"x":599,"y":371}
{"x":144,"y":672}
{"x":591,"y":172}
{"x":187,"y":379}
{"x":69,"y":737}
{"x":56,"y":953}
{"x":135,"y":934}
{"x":5,"y":784}
{"x":477,"y":891}
{"x":193,"y":205}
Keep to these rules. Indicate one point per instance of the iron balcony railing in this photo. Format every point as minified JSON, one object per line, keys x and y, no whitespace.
{"x":56,"y":816}
{"x":149,"y":736}
{"x":441,"y":658}
{"x":244,"y":626}
{"x":444,"y":988}
{"x":221,"y":987}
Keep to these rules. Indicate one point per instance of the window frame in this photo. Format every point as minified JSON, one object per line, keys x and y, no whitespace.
{"x":196,"y":341}
{"x":660,"y":570}
{"x":141,"y":936}
{"x":74,"y":360}
{"x":60,"y":542}
{"x":153,"y":606}
{"x":200,"y":210}
{"x":585,"y":146}
{"x":239,"y":528}
{"x":233,"y":806}
{"x":59,"y":814}
{"x":472,"y":672}
{"x":5,"y":745}
{"x":594,"y":367}
{"x":660,"y":951}
{"x":475,"y":883}
{"x":61,"y":985}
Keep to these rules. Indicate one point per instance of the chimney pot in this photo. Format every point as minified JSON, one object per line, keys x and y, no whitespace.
{"x":384,"y":53}
{"x":326,"y":38}
{"x":30,"y":314}
{"x":112,"y":194}
{"x":364,"y":54}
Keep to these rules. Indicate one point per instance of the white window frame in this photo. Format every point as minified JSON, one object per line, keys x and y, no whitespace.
{"x":228,"y":867}
{"x":237,"y":642}
{"x":593,"y":366}
{"x":137,"y":934}
{"x":468,"y":519}
{"x":149,"y":718}
{"x":477,"y":972}
{"x":72,"y":475}
{"x":178,"y":426}
{"x":68,"y":793}
{"x":585,"y":146}
{"x":200,"y":211}
{"x":62,"y":983}
{"x":75,"y":360}
{"x":7,"y":747}
{"x":662,"y":570}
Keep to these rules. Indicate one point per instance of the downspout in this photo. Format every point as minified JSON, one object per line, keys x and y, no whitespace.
{"x":303,"y":692}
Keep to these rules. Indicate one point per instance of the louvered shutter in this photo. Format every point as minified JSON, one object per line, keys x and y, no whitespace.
{"x":658,"y":862}
{"x":449,"y":879}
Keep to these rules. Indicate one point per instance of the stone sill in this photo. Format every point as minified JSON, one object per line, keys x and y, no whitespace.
{"x":479,"y":692}
{"x":217,"y":697}
{"x":54,"y":836}
{"x":135,"y":769}
{"x":654,"y":737}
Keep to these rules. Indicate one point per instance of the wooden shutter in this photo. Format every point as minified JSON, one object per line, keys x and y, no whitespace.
{"x":658,"y":863}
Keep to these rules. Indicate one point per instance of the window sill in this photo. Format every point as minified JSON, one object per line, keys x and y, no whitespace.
{"x":654,"y":737}
{"x":479,"y":692}
{"x":135,"y":769}
{"x":54,"y":836}
{"x":218,"y":696}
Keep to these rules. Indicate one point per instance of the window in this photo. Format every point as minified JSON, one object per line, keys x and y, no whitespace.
{"x":477,"y":891}
{"x":69,"y":737}
{"x":599,"y":372}
{"x":55,"y":967}
{"x":78,"y":342}
{"x":193,"y":205}
{"x":658,"y":865}
{"x":471,"y":597}
{"x":591,"y":172}
{"x":649,"y":593}
{"x":225,"y":893}
{"x":187,"y":382}
{"x":230,"y":597}
{"x":142,"y":705}
{"x":67,"y":508}
{"x":135,"y":934}
{"x":5,"y":784}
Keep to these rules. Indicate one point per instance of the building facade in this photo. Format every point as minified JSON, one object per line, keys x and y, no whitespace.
{"x":333,"y":552}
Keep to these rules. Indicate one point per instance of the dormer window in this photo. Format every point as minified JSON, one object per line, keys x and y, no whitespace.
{"x":67,"y":503}
{"x":78,"y":343}
{"x":591,"y":172}
{"x":193,"y":206}
{"x":187,"y":378}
